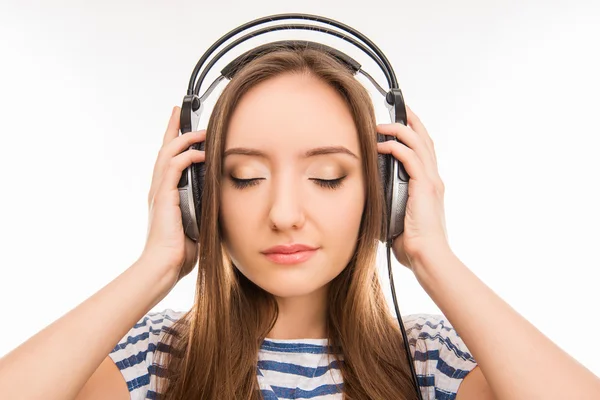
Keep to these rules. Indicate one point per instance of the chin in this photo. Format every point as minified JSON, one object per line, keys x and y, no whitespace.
{"x":289,"y":290}
{"x":289,"y":281}
{"x":288,"y":286}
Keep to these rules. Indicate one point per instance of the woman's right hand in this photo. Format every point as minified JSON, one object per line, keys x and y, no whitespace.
{"x":166,"y":244}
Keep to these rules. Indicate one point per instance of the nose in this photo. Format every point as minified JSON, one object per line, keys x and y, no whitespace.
{"x":286,"y":208}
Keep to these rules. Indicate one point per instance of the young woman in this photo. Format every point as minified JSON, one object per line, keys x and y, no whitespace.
{"x":288,"y":302}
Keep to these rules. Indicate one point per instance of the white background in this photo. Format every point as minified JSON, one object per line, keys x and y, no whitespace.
{"x":508,"y":91}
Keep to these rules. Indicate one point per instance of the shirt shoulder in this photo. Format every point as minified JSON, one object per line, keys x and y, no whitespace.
{"x":442,"y":359}
{"x":134,"y":353}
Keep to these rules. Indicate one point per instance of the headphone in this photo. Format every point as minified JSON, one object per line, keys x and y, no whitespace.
{"x":393,"y":174}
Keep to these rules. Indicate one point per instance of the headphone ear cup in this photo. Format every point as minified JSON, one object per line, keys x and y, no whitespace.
{"x":395,"y":194}
{"x":198,"y":171}
{"x":384,"y":162}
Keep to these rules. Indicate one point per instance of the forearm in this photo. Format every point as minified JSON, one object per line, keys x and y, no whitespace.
{"x":517,"y":360}
{"x":57,"y":361}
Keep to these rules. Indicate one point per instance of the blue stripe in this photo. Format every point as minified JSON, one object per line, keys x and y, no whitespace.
{"x":132,"y":360}
{"x":140,"y":357}
{"x":131,"y":340}
{"x":138,"y":382}
{"x":297,"y":393}
{"x":144,"y":321}
{"x":441,"y":365}
{"x":295,"y":347}
{"x":295,"y":369}
{"x":135,"y":339}
{"x":448,"y":344}
{"x":137,"y":358}
{"x":445,"y":340}
{"x":426,"y":380}
{"x":443,"y":395}
{"x":450,"y":371}
{"x":431,"y":325}
{"x":268,"y":395}
{"x":426,"y":356}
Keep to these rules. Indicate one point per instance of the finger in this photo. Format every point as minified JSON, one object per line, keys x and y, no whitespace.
{"x":411,"y":139}
{"x":170,"y":150}
{"x":173,"y":127}
{"x":413,"y":165}
{"x":175,"y":147}
{"x":415,"y":123}
{"x":182,"y":143}
{"x":176,"y":167}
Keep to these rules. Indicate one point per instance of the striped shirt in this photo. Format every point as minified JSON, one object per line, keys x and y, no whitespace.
{"x":299,"y":368}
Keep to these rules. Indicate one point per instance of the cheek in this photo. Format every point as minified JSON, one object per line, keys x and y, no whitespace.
{"x":340,"y":216}
{"x":228,"y":215}
{"x":239,"y":217}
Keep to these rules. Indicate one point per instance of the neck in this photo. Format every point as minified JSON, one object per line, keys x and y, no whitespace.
{"x":301,"y":317}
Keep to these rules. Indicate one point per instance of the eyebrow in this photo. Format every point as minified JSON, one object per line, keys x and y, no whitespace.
{"x":310,"y":153}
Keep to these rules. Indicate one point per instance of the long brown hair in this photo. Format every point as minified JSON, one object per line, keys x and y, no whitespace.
{"x":212,"y":351}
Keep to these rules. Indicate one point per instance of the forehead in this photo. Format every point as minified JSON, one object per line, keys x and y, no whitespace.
{"x":290,"y":114}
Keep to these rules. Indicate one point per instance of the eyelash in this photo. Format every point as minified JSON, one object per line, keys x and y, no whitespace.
{"x":325,"y":183}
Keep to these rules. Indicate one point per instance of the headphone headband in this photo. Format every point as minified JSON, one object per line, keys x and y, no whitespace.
{"x":337,"y":53}
{"x":383,"y":63}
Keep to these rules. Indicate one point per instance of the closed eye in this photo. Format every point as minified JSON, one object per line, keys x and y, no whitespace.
{"x":244,"y":183}
{"x":325,"y":183}
{"x":330,"y":183}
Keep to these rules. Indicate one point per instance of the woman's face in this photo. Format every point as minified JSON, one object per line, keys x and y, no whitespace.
{"x":271,"y":131}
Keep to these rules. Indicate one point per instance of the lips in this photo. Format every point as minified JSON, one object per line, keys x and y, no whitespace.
{"x":290,"y":254}
{"x":289,"y":248}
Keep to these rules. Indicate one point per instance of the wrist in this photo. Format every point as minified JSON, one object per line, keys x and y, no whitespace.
{"x":161,"y":277}
{"x":425,"y":263}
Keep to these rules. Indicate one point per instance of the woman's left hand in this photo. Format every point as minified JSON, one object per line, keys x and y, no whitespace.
{"x":425,"y":221}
